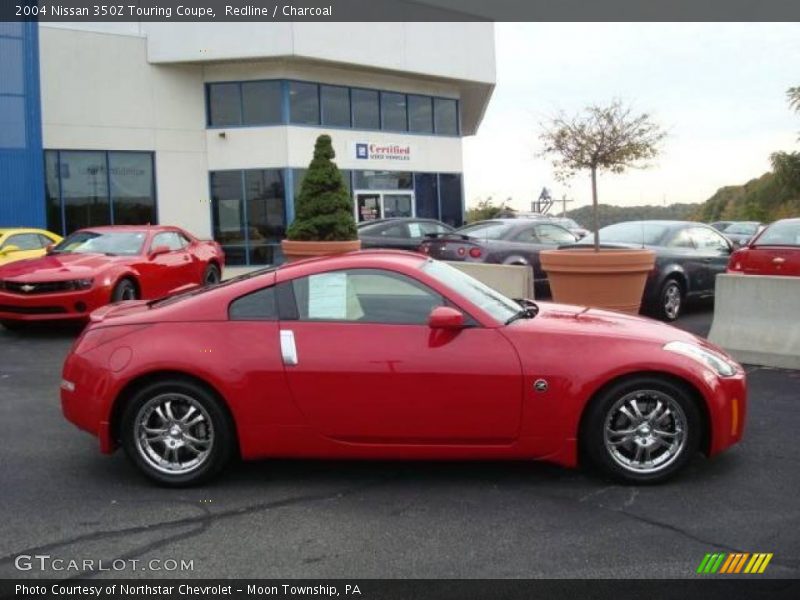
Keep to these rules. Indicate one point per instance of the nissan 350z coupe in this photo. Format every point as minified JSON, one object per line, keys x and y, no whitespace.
{"x":392,"y":355}
{"x":93,"y":267}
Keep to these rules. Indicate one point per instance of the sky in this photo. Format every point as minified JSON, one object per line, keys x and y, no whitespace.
{"x":719,"y":90}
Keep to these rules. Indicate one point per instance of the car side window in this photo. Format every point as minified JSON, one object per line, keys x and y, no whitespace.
{"x":365,"y":296}
{"x":24,"y":241}
{"x":427,"y":228}
{"x":396,"y":231}
{"x":255,"y":306}
{"x":183,"y":240}
{"x":553,"y":234}
{"x":681,"y":239}
{"x":527,"y":235}
{"x":705,"y":239}
{"x":170,"y":239}
{"x":45,"y":241}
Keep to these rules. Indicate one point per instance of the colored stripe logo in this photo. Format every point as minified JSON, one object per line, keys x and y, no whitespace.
{"x":733,"y":563}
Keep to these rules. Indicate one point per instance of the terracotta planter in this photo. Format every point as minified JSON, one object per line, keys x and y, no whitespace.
{"x":612,"y":278}
{"x":298,"y":250}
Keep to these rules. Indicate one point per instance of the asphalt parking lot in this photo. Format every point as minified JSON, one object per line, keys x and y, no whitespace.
{"x":60,"y":497}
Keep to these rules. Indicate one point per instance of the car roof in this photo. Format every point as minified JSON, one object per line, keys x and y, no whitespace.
{"x":377,"y":258}
{"x":111,"y":228}
{"x":665,"y":222}
{"x":5,"y":230}
{"x":398,"y":220}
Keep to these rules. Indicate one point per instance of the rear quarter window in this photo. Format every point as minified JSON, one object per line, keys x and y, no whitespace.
{"x":259,"y":305}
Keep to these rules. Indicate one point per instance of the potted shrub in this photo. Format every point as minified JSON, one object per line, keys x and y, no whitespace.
{"x":324,"y":222}
{"x":603,"y":138}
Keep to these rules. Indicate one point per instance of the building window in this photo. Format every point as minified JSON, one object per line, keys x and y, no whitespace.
{"x":304,"y":103}
{"x":420,"y":114}
{"x":426,"y":195}
{"x":90,"y":188}
{"x":366,"y":109}
{"x":249,"y":215}
{"x":393,"y":111}
{"x":383,"y":180}
{"x":335,"y":105}
{"x":445,"y":114}
{"x":261,"y":103}
{"x":224,"y":104}
{"x":450,"y":199}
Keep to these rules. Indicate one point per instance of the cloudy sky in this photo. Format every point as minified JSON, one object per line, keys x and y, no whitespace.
{"x":718,"y":89}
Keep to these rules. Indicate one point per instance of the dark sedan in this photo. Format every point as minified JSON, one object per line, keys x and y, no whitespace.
{"x":399,"y":233}
{"x":742,"y":232}
{"x":502,"y":241}
{"x":688,"y":258}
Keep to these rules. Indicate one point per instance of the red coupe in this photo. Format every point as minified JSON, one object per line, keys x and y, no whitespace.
{"x":391,"y":355}
{"x":95,"y":266}
{"x":776,"y":251}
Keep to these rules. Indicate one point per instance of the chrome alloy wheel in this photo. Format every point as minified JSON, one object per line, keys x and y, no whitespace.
{"x":645,"y":431}
{"x":174,"y":433}
{"x":672,"y":301}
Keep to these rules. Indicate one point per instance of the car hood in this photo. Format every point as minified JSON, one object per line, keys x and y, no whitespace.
{"x":569,"y":320}
{"x":57,"y":267}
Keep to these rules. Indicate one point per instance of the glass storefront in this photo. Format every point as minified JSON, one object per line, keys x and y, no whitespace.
{"x":91,"y":188}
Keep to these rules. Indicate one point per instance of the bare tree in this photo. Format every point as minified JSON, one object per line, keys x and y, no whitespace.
{"x":601,"y":138}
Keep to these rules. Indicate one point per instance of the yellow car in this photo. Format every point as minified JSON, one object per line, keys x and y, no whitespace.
{"x":19,"y":243}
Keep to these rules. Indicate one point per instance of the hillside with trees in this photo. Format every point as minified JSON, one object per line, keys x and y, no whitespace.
{"x":608,"y":214}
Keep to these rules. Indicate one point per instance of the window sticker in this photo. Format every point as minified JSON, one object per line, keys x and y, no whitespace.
{"x":331,"y":296}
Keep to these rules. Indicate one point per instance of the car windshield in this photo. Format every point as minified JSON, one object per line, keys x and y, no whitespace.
{"x":635,"y":232}
{"x":781,"y":234}
{"x":491,"y":230}
{"x":568,"y":223}
{"x":481,"y":295}
{"x":123,"y":243}
{"x":743,"y":228}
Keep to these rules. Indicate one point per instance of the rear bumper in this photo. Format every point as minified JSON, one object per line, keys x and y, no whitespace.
{"x":85,"y":399}
{"x":49,"y":307}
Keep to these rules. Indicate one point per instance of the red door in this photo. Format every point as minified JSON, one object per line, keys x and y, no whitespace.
{"x":379,"y":374}
{"x":164,"y":273}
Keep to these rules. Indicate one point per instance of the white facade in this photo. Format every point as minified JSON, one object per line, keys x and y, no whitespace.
{"x":143,"y":87}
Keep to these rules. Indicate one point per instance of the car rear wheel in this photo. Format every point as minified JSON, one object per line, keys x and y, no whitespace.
{"x":177,"y":433}
{"x":670,"y":300}
{"x":211,"y":275}
{"x":124,"y":290}
{"x":642,"y":430}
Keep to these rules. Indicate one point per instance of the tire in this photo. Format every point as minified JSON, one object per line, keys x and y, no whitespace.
{"x":620,"y":446}
{"x":670,"y":301}
{"x":124,"y":290}
{"x":211,"y":276}
{"x":194,"y":438}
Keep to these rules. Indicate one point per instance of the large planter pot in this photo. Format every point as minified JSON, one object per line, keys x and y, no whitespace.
{"x":612,"y":278}
{"x":297,"y":250}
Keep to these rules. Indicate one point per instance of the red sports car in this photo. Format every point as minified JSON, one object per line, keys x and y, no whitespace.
{"x":392,"y":355}
{"x":95,"y":266}
{"x":776,"y":251}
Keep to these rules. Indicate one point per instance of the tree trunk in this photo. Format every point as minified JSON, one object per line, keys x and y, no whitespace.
{"x":595,"y":211}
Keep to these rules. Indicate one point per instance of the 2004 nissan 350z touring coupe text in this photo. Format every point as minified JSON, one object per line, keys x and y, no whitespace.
{"x":391,"y":355}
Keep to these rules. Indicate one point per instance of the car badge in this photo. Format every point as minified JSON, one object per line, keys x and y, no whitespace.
{"x":540,"y":385}
{"x":27,"y":288}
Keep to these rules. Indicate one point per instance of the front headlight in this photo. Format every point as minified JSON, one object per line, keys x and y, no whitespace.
{"x":79,"y":284}
{"x":716,"y":362}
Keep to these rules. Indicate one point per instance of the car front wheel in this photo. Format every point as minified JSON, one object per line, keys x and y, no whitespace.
{"x":642,"y":430}
{"x":670,"y":300}
{"x":124,"y":290}
{"x":177,"y":433}
{"x":211,"y":275}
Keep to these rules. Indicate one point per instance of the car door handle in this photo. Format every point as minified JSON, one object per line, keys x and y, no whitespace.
{"x":778,"y":260}
{"x":288,"y":348}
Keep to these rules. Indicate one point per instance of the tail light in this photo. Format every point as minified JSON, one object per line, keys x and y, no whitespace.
{"x":475,"y":252}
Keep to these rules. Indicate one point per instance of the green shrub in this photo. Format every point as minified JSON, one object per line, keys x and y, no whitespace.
{"x":323,"y":209}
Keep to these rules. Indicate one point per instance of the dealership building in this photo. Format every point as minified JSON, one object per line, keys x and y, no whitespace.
{"x":210,"y":126}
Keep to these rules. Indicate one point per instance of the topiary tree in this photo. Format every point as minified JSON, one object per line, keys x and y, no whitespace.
{"x":324,"y":209}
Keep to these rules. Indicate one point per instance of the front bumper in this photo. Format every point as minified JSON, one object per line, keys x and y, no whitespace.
{"x":727,"y":407}
{"x":48,"y":307}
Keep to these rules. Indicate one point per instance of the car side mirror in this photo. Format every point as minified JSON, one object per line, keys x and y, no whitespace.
{"x":49,"y":248}
{"x":158,"y":250}
{"x":445,"y":317}
{"x":9,"y":249}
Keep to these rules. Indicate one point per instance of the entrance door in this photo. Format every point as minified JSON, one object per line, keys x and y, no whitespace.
{"x":383,"y":205}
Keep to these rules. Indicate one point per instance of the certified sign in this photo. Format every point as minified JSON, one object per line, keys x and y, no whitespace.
{"x":382,"y":152}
